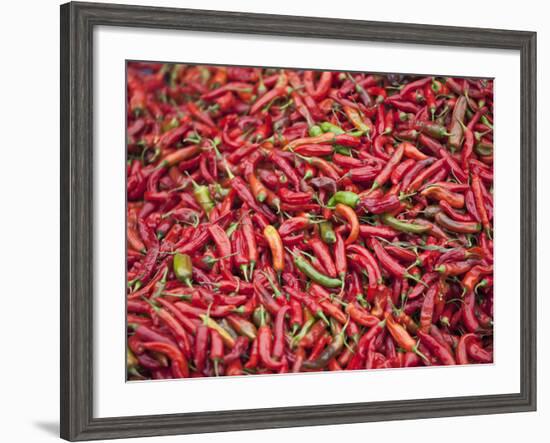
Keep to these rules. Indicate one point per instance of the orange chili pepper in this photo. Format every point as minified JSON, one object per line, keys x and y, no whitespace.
{"x":400,"y":334}
{"x":351,"y":217}
{"x":276,"y":245}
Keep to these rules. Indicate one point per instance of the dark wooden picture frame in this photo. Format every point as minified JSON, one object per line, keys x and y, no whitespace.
{"x":77,"y":24}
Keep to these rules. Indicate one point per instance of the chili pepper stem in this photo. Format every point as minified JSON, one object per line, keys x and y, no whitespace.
{"x":244,"y":270}
{"x":420,"y":354}
{"x":323,"y":317}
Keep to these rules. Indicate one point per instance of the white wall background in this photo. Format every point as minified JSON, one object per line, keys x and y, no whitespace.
{"x":29,"y":221}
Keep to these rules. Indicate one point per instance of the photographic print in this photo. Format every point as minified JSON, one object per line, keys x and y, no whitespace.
{"x":318,"y":230}
{"x":290,"y":221}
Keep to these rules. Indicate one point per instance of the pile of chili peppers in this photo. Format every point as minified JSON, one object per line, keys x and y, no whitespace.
{"x":291,"y":221}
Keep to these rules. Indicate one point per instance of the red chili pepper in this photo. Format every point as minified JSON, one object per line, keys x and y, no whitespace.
{"x":322,"y":253}
{"x":201,"y":347}
{"x":381,"y":205}
{"x":179,"y":365}
{"x":186,"y":322}
{"x":216,"y":350}
{"x":467,"y":148}
{"x":265,"y":346}
{"x":427,"y":312}
{"x":480,"y":206}
{"x":360,"y":316}
{"x":386,"y":260}
{"x":265,"y":99}
{"x":322,"y":88}
{"x":254,"y":356}
{"x":476,"y":352}
{"x":439,"y":350}
{"x":279,"y":341}
{"x":296,"y":314}
{"x":176,"y":328}
{"x":223,"y":244}
{"x":340,"y":260}
{"x":468,"y":312}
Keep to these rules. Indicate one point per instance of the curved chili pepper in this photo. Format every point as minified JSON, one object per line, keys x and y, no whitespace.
{"x":425,"y":174}
{"x":476,"y":352}
{"x":439,"y":193}
{"x":440,"y":351}
{"x":403,"y":226}
{"x":324,"y":280}
{"x":360,"y":316}
{"x":176,"y":328}
{"x":180,"y":368}
{"x":464,"y":227}
{"x":351,"y":217}
{"x":328,"y":354}
{"x":379,"y":205}
{"x":400,"y":335}
{"x":347,"y":198}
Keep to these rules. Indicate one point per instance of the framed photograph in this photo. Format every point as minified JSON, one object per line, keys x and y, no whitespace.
{"x":337,"y":214}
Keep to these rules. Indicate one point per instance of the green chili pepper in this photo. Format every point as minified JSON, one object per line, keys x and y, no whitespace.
{"x":344,"y":150}
{"x":132,"y":365}
{"x":329,"y":127}
{"x":431,"y":211}
{"x":131,"y":360}
{"x":307,"y":268}
{"x":174,"y":123}
{"x":327,"y":232}
{"x":483,"y":149}
{"x":225,"y":325}
{"x":220,"y":192}
{"x":183,"y":268}
{"x":347,"y":198}
{"x":486,"y":121}
{"x":303,"y":332}
{"x":212,"y":324}
{"x":403,"y":226}
{"x":203,"y":197}
{"x":232,"y":228}
{"x":308,"y":174}
{"x":328,"y":353}
{"x":315,"y":131}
